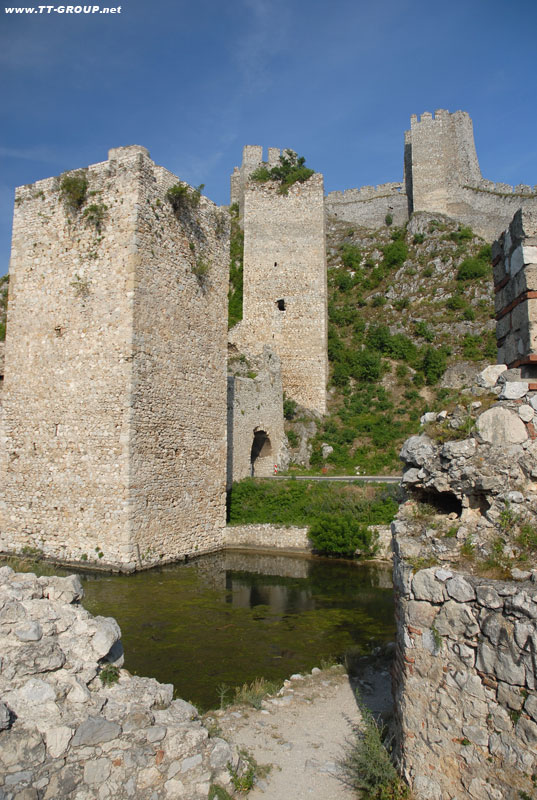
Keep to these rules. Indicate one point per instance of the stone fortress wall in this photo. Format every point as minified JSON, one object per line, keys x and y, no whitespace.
{"x":284,"y":286}
{"x":515,"y":284}
{"x":114,"y":417}
{"x":256,"y":437}
{"x":441,"y":175}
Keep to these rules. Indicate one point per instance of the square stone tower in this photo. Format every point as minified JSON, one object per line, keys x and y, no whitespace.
{"x":284,"y":284}
{"x":114,"y":417}
{"x":440,"y":158}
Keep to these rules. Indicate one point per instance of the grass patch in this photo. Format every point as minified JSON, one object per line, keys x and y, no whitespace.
{"x":303,"y":502}
{"x":366,"y":765}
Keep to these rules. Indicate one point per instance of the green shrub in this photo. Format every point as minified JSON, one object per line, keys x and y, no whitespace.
{"x":73,"y":190}
{"x":236,"y":253}
{"x":340,"y":535}
{"x":402,"y":303}
{"x":183,"y":197}
{"x":109,"y":675}
{"x":2,"y":331}
{"x":473,"y":268}
{"x":395,"y":253}
{"x":293,"y":439}
{"x":456,"y":302}
{"x":419,"y":238}
{"x":422,"y":329}
{"x":468,"y":314}
{"x":366,"y":764}
{"x":388,"y":219}
{"x":434,"y":364}
{"x":378,"y":301}
{"x":291,"y":169}
{"x":351,"y":256}
{"x":95,"y":214}
{"x":463,"y":234}
{"x":289,"y":408}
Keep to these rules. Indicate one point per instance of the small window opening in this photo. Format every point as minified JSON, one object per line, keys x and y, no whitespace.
{"x":280,"y":305}
{"x":275,"y":263}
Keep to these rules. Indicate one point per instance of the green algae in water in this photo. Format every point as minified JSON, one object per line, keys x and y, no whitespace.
{"x":233,"y":617}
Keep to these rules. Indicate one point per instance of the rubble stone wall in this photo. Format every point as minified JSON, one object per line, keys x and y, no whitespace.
{"x":255,"y":405}
{"x":515,"y":283}
{"x":114,"y":415}
{"x":64,"y":733}
{"x":268,"y":537}
{"x":465,"y":679}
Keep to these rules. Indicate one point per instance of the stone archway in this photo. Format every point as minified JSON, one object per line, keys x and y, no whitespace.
{"x":261,"y":454}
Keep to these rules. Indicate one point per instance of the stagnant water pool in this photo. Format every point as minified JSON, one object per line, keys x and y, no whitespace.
{"x":229,"y":618}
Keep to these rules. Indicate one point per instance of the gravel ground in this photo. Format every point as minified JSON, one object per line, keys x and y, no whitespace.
{"x":302,"y":731}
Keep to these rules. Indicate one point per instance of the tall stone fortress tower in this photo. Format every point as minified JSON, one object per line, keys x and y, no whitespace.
{"x":442,"y":159}
{"x":284,"y":289}
{"x":114,"y":417}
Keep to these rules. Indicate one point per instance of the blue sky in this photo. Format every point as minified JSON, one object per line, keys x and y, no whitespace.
{"x":335,"y":81}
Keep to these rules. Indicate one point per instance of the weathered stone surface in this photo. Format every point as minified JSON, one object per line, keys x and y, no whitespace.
{"x":426,"y":587}
{"x":460,"y":589}
{"x":455,"y":620}
{"x":514,"y":390}
{"x":417,"y":450}
{"x":489,"y":376}
{"x":526,"y":413}
{"x":499,"y":426}
{"x":66,"y":735}
{"x":488,"y":596}
{"x":95,"y":730}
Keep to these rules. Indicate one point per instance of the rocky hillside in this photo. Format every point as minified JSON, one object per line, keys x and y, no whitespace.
{"x":410,"y":312}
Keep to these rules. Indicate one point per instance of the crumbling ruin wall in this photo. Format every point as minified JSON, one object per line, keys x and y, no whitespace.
{"x":515,"y":284}
{"x":114,"y":404}
{"x":465,"y":673}
{"x":256,"y":436}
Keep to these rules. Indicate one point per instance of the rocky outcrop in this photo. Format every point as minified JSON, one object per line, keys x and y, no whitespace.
{"x":73,"y":724}
{"x":465,"y":674}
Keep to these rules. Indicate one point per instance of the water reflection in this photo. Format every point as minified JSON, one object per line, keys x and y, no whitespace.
{"x":235,"y":616}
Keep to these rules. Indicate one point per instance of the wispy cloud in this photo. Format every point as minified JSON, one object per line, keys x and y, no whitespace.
{"x":260,"y":42}
{"x":45,"y":155}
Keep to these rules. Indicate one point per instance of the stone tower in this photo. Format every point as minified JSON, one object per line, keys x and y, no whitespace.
{"x":515,"y":285}
{"x":440,"y":158}
{"x":284,"y":287}
{"x":115,"y":382}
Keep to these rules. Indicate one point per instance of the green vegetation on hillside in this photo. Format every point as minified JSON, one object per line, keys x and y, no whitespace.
{"x":402,"y":308}
{"x":4,"y":284}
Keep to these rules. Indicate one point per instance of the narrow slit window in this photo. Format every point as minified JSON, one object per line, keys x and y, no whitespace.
{"x":280,"y":305}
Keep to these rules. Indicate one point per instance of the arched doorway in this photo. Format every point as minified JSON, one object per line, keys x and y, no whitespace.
{"x":261,"y":454}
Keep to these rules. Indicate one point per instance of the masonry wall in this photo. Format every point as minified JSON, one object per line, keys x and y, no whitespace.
{"x":369,"y":205}
{"x":465,"y":679}
{"x":515,"y":286}
{"x":285,"y":285}
{"x":114,"y":407}
{"x":255,"y":405}
{"x":441,"y":175}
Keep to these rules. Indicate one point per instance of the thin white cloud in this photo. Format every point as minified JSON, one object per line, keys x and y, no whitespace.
{"x":45,"y":155}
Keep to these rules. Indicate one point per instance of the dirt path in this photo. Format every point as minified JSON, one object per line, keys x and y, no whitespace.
{"x":301,"y":733}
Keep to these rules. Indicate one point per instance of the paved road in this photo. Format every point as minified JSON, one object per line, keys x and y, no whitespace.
{"x":344,"y":478}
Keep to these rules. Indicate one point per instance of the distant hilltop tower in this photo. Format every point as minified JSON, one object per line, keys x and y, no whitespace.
{"x":440,"y":158}
{"x":441,"y":176}
{"x":284,"y":289}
